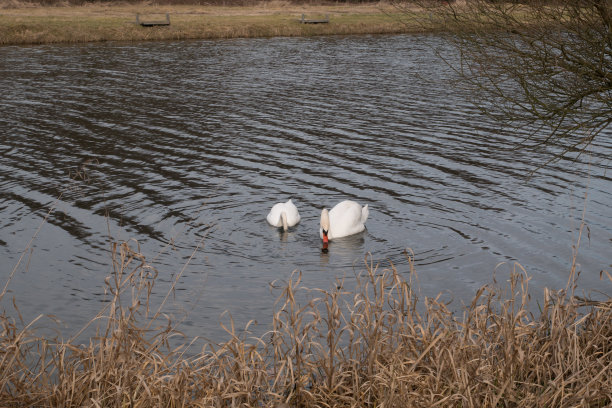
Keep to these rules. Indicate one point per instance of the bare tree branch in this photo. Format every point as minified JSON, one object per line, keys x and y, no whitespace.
{"x":544,"y":67}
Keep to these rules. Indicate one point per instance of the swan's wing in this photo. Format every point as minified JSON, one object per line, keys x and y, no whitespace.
{"x":293,"y":215}
{"x":294,"y":218}
{"x":274,"y":216}
{"x":346,"y":219}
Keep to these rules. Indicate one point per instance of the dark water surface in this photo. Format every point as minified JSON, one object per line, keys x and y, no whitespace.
{"x":185,"y":140}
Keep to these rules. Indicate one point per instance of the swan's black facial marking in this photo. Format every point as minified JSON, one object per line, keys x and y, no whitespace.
{"x":325,"y":245}
{"x":324,"y":232}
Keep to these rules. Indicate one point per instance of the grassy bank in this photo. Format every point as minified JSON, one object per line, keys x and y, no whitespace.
{"x":22,"y":24}
{"x":372,"y":346}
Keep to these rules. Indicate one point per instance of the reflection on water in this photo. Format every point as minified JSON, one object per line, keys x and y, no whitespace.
{"x":185,"y":140}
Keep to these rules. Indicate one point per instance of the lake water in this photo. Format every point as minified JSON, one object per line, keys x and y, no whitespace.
{"x":192,"y":139}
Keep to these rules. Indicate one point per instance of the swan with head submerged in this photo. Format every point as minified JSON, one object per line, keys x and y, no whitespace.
{"x":346,"y":218}
{"x":283,"y":215}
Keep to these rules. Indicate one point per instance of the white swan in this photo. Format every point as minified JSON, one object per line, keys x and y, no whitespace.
{"x":283,"y":215}
{"x":346,"y":218}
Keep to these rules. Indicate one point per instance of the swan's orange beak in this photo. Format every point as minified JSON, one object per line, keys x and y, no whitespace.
{"x":325,"y":239}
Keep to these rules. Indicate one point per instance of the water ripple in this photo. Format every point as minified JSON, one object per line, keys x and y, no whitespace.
{"x":185,"y":140}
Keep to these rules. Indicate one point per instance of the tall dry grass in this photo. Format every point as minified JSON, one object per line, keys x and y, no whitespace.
{"x":376,"y":345}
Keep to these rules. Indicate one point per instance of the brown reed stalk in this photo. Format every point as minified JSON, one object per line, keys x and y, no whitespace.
{"x":364,"y":342}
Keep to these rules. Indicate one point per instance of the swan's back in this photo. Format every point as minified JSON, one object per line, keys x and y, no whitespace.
{"x":274,"y":216}
{"x":347,"y":218}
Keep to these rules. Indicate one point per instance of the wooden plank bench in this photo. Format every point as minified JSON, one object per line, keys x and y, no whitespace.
{"x":153,"y":23}
{"x":314,"y":21}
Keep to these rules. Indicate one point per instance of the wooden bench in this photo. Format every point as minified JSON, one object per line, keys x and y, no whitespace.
{"x":314,"y":21}
{"x":165,"y":22}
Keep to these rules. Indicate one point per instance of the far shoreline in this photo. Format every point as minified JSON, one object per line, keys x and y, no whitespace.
{"x":27,"y":24}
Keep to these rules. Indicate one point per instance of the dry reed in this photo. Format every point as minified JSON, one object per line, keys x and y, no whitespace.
{"x":375,"y":345}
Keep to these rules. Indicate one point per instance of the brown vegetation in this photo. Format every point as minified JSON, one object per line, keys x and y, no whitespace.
{"x":117,"y":21}
{"x":376,"y":345}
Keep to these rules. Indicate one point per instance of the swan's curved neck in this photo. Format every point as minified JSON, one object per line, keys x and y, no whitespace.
{"x":325,"y":220}
{"x":284,"y":220}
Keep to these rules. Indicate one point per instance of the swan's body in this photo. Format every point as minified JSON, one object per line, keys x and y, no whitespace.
{"x":346,"y":218}
{"x":283,"y":215}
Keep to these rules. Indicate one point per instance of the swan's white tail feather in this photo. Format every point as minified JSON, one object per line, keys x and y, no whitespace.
{"x":365,"y":212}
